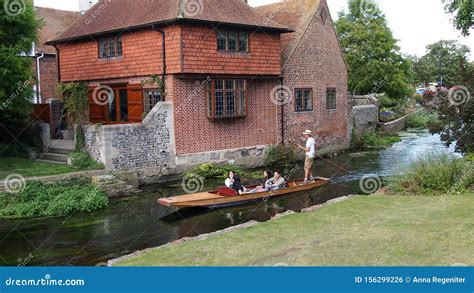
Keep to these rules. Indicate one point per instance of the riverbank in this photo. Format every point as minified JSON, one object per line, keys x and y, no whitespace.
{"x":363,"y":231}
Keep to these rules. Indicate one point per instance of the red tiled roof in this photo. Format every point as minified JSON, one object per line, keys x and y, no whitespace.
{"x":294,"y":14}
{"x":54,"y":23}
{"x":114,"y":15}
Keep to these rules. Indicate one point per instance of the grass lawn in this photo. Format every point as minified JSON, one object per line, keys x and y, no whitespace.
{"x":363,"y":231}
{"x":31,"y":168}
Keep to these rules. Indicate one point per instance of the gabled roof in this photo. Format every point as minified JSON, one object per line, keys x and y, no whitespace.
{"x":118,"y":15}
{"x":294,"y":14}
{"x":54,"y":23}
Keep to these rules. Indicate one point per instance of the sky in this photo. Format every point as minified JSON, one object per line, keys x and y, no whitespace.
{"x":415,"y":23}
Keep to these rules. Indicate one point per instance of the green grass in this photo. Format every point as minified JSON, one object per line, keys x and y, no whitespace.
{"x":31,"y":168}
{"x":57,"y":199}
{"x":363,"y":231}
{"x":434,"y":174}
{"x":376,"y":141}
{"x":422,"y":120}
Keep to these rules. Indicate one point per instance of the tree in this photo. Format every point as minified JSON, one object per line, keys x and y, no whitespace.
{"x":446,"y":62}
{"x":18,"y":29}
{"x":449,"y":61}
{"x":375,"y":62}
{"x":464,"y":14}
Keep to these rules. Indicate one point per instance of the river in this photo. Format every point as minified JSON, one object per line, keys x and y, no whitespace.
{"x":137,"y":223}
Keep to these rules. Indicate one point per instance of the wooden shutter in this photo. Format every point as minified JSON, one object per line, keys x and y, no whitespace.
{"x":135,"y":103}
{"x":96,"y":112}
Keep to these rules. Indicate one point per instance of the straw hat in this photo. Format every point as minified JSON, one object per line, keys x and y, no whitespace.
{"x":308,"y":132}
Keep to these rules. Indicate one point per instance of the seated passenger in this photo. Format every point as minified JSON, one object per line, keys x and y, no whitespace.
{"x":230,"y":179}
{"x":267,"y":174}
{"x":277,"y":182}
{"x":237,"y":185}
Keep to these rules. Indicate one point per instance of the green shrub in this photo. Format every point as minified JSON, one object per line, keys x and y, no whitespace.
{"x":375,"y":140}
{"x":422,"y":120}
{"x":434,"y":174}
{"x":83,"y":160}
{"x":57,"y":199}
{"x":280,"y":155}
{"x":210,"y":171}
{"x":19,"y":136}
{"x":386,"y":102}
{"x":470,"y":157}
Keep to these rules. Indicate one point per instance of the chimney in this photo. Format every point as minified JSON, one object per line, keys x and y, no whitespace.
{"x":85,"y":5}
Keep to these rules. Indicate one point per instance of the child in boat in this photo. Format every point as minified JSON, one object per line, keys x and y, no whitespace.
{"x":237,"y":185}
{"x":230,"y":179}
{"x":277,"y":182}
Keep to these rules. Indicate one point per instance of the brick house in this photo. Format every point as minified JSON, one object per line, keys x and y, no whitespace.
{"x":45,"y":66}
{"x":314,"y":71}
{"x":221,"y":62}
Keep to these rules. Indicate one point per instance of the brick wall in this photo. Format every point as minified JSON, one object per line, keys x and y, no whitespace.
{"x":195,"y":133}
{"x":318,"y":63}
{"x":200,"y":54}
{"x":49,"y":77}
{"x":142,"y":56}
{"x":189,"y":49}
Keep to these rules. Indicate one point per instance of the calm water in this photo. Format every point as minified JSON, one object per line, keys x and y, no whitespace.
{"x":139,"y":223}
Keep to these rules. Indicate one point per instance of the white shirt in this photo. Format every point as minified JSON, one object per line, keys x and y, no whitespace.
{"x":311,"y":144}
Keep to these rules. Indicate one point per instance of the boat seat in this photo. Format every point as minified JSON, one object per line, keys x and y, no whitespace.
{"x":226,"y":191}
{"x":292,"y":184}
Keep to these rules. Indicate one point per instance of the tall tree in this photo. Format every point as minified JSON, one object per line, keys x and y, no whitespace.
{"x":374,"y":58}
{"x":463,"y":11}
{"x":449,"y":61}
{"x":446,"y":61}
{"x":18,"y":30}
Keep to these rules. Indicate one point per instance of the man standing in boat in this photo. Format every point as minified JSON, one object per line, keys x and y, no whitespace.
{"x":310,"y":155}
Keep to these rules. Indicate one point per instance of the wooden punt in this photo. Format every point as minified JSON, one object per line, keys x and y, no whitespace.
{"x":224,"y":196}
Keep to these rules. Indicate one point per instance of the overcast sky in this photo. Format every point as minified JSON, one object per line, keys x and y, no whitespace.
{"x":416,"y":23}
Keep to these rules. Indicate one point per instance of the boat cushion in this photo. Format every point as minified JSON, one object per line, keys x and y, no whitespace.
{"x":226,"y":191}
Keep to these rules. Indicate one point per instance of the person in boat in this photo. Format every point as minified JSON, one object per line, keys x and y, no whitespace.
{"x":230,"y":179}
{"x":277,"y":182}
{"x":310,"y":155}
{"x":267,"y":175}
{"x":237,"y":185}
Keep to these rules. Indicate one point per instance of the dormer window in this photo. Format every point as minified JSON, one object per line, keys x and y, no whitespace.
{"x":110,"y":47}
{"x":232,"y":41}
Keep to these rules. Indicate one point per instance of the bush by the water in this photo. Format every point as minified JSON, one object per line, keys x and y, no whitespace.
{"x":422,"y":120}
{"x":434,"y":174}
{"x":57,"y":199}
{"x":210,"y":171}
{"x":375,"y":140}
{"x":83,"y":160}
{"x":19,"y":136}
{"x":280,"y":155}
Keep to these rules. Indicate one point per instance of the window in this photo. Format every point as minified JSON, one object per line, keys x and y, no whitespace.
{"x":232,"y":41}
{"x":151,"y":97}
{"x":110,"y":47}
{"x":304,"y":100}
{"x":227,"y":98}
{"x":331,"y":103}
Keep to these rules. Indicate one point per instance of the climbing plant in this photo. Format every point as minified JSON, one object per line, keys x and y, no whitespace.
{"x":75,"y":103}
